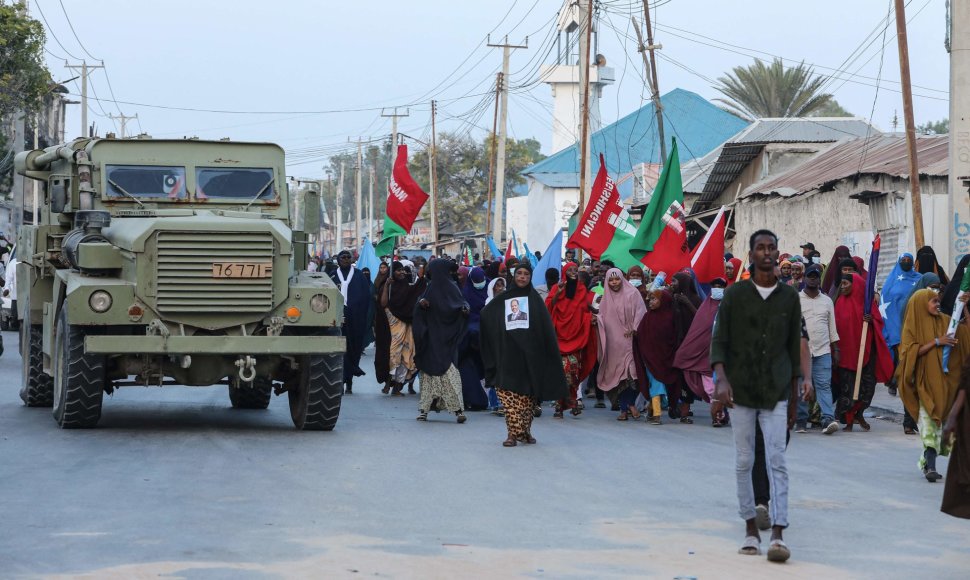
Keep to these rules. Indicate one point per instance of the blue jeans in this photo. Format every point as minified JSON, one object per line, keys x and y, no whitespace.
{"x":774,"y":425}
{"x":822,"y":381}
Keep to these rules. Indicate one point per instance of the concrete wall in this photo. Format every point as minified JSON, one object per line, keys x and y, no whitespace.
{"x":548,"y":210}
{"x":831,"y":218}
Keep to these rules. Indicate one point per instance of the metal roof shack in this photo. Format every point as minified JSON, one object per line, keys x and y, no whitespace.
{"x":788,"y":140}
{"x":882,"y":155}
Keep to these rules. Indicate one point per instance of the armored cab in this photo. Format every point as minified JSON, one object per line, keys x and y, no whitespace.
{"x":157,"y":262}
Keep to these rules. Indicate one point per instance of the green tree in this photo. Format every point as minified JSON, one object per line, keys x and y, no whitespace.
{"x":462,"y":167}
{"x":759,"y":90}
{"x":831,"y":109}
{"x":24,"y":80}
{"x":941,"y":127}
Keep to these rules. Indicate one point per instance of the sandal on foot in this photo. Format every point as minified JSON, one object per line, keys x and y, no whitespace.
{"x":510,"y":442}
{"x":634,"y":413}
{"x":862,"y":423}
{"x":655,"y":420}
{"x":527,"y":438}
{"x":576,"y":411}
{"x":557,"y":414}
{"x":909,"y":431}
{"x":778,"y":551}
{"x":687,"y":420}
{"x":461,"y":417}
{"x":622,"y":416}
{"x":423,"y":416}
{"x":750,"y":547}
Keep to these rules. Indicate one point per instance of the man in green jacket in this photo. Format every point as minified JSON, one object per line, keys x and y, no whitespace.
{"x":755,"y":353}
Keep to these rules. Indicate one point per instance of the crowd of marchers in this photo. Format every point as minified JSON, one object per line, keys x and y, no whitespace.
{"x":782,"y":343}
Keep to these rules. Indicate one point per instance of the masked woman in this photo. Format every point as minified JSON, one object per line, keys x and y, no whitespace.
{"x":927,"y":388}
{"x":475,"y":292}
{"x":926,"y":262}
{"x":877,"y":362}
{"x":521,"y":354}
{"x":656,"y":343}
{"x":694,"y":354}
{"x":440,"y":322}
{"x":398,"y":300}
{"x":569,"y":305}
{"x":382,"y":330}
{"x":619,"y":316}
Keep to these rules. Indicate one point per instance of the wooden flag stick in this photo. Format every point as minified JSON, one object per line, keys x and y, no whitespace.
{"x":862,"y":354}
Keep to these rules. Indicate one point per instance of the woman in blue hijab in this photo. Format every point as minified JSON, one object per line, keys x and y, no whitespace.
{"x":470,"y":366}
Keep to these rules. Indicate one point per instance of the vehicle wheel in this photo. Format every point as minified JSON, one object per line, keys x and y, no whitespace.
{"x":315,"y":398}
{"x":251,"y":395}
{"x":38,"y":386}
{"x":79,"y":378}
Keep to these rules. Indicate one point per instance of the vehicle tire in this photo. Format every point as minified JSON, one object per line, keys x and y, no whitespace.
{"x":315,"y":398}
{"x":38,"y":387}
{"x":251,"y":395}
{"x":79,"y":378}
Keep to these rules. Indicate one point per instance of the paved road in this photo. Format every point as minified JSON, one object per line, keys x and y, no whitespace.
{"x":175,"y":483}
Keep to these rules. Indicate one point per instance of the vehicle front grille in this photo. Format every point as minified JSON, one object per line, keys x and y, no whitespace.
{"x":184,"y":272}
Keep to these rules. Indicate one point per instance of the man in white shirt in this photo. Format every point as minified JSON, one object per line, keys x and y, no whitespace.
{"x":823,"y":339}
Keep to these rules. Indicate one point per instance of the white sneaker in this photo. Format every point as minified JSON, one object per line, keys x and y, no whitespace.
{"x":831,"y":428}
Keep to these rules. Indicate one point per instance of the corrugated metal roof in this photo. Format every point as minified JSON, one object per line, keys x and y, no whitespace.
{"x":698,"y":125}
{"x":883,"y":155}
{"x":805,"y":130}
{"x":720,"y":173}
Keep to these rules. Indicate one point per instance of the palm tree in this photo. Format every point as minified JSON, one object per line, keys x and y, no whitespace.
{"x":759,"y":90}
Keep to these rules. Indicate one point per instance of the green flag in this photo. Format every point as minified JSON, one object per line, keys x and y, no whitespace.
{"x":404,"y":201}
{"x":669,"y":189}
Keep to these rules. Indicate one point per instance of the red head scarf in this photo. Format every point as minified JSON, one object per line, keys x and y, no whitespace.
{"x":736,"y":262}
{"x":833,"y":274}
{"x":848,"y":321}
{"x":570,"y":314}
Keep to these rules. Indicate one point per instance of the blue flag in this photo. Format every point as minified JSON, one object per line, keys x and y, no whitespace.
{"x":551,"y":258}
{"x":368,"y":259}
{"x":496,"y":253}
{"x":532,"y":257}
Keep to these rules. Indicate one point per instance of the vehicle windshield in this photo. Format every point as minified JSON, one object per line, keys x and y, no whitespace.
{"x":236,"y":183}
{"x":145,"y":181}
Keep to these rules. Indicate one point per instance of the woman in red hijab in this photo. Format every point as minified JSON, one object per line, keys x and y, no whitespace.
{"x":732,"y":270}
{"x":568,"y":303}
{"x":877,"y":362}
{"x":833,"y":274}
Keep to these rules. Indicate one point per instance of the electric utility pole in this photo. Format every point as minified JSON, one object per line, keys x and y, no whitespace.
{"x":491,"y":156}
{"x":585,"y":37}
{"x":394,"y":117}
{"x":123,"y":119}
{"x":433,"y":176}
{"x":500,"y":153}
{"x":338,"y":207}
{"x":907,"y":90}
{"x":358,"y":193}
{"x":85,"y":69}
{"x":651,"y":66}
{"x":370,"y":203}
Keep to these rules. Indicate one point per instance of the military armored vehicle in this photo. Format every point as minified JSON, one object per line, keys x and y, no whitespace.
{"x":158,"y":262}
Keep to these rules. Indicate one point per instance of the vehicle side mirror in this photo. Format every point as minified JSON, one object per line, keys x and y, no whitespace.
{"x":311,"y":211}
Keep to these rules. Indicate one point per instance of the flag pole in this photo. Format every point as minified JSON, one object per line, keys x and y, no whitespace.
{"x":862,"y":354}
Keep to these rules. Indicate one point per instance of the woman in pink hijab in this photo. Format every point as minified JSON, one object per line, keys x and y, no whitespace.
{"x":620,"y":312}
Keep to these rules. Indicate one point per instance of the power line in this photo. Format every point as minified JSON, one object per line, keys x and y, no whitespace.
{"x":69,"y":23}
{"x":51,"y":30}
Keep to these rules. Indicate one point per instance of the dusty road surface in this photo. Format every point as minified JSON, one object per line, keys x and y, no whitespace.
{"x":176,"y":484}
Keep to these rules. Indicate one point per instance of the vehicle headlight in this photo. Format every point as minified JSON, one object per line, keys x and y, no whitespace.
{"x":319,"y":303}
{"x":100,"y":301}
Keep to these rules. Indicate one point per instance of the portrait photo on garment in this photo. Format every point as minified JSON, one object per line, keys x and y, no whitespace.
{"x":516,"y":313}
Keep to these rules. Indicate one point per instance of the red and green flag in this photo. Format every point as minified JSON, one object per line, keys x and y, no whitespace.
{"x":661,"y":240}
{"x":605,"y":231}
{"x":404,"y":201}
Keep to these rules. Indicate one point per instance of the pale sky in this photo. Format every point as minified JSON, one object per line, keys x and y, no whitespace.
{"x":292,"y":64}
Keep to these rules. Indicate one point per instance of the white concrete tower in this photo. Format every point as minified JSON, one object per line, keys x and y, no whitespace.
{"x":563,"y":77}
